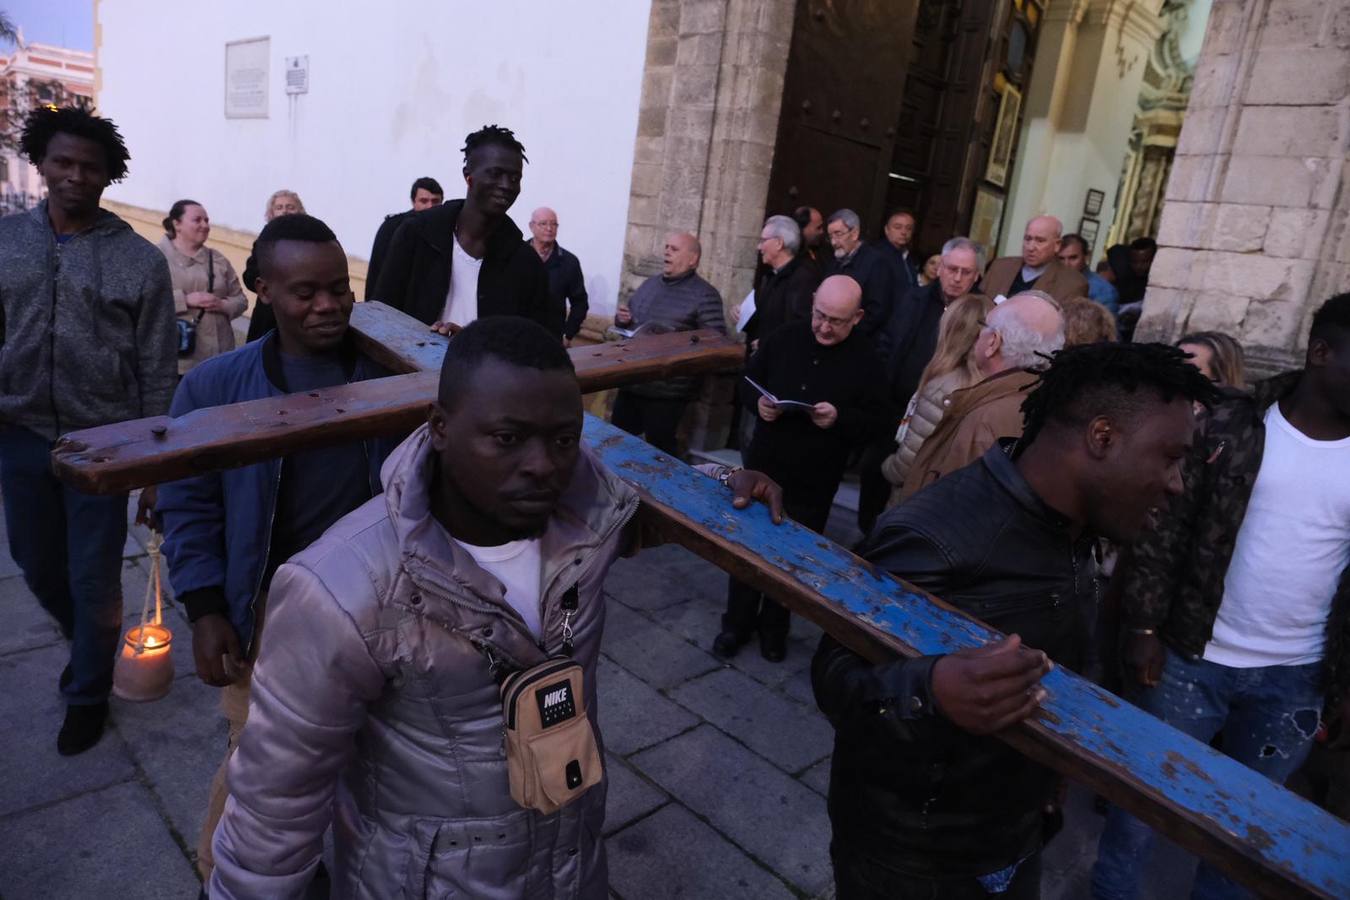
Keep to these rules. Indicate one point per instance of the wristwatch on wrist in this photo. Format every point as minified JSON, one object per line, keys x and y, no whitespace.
{"x":724,"y":476}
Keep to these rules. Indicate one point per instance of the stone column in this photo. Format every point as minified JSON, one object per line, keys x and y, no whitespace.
{"x":707,"y":125}
{"x":1255,"y":232}
{"x":708,"y":120}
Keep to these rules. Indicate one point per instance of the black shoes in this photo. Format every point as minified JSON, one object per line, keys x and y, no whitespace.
{"x":728,"y":643}
{"x":82,"y":728}
{"x":773,"y":647}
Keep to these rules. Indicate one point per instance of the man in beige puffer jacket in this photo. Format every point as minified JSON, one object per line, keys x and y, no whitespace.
{"x":375,"y":699}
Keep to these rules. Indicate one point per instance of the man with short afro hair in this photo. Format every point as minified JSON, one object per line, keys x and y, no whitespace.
{"x":227,"y":532}
{"x":376,"y":704}
{"x":466,"y":259}
{"x":88,"y":334}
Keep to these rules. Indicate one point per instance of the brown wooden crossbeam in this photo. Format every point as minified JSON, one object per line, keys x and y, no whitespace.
{"x":116,"y":458}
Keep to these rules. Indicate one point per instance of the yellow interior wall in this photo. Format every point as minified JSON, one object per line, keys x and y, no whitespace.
{"x":236,"y":245}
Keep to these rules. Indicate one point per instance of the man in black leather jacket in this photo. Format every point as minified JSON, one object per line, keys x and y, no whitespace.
{"x":923,"y":801}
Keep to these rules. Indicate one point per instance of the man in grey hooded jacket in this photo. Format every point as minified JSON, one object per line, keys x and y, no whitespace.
{"x":374,"y":703}
{"x":87,"y":337}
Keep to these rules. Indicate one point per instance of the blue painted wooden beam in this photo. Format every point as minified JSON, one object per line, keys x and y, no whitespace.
{"x":1263,"y":835}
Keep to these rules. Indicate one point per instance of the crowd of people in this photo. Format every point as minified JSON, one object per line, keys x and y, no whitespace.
{"x":405,"y":630}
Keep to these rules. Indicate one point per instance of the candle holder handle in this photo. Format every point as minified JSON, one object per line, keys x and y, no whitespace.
{"x":152,"y":588}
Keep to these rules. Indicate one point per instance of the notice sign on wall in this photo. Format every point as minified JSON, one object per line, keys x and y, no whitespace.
{"x":246,"y":68}
{"x":297,"y":74}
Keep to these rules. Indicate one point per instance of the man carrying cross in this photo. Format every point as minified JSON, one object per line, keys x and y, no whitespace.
{"x":227,"y":532}
{"x":923,"y":801}
{"x":386,"y":639}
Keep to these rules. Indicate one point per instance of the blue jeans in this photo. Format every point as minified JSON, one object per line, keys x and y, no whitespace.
{"x":69,"y":547}
{"x":858,"y":878}
{"x":1268,"y":717}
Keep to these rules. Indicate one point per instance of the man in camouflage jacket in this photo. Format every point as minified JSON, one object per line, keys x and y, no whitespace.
{"x":1262,"y":669}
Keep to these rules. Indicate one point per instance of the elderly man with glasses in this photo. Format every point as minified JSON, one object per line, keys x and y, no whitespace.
{"x":784,"y":293}
{"x":912,"y":333}
{"x":818,"y":390}
{"x":866,"y":265}
{"x":1015,"y":339}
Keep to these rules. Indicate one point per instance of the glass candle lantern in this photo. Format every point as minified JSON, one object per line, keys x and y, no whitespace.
{"x":144,"y":669}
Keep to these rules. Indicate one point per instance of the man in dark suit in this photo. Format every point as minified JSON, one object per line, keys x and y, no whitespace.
{"x":866,"y":265}
{"x":426,"y":193}
{"x":784,"y":294}
{"x":896,"y":246}
{"x":1038,"y":267}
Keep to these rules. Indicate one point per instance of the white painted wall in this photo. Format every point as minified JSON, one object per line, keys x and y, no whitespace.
{"x":394,"y":88}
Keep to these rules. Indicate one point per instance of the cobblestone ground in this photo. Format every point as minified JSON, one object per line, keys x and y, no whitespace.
{"x":717,"y":772}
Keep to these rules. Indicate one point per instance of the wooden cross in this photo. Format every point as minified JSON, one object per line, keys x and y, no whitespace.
{"x":126,"y":455}
{"x":1253,"y":829}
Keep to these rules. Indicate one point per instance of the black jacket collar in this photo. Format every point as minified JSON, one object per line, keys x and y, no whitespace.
{"x":439,"y":231}
{"x":999,"y":460}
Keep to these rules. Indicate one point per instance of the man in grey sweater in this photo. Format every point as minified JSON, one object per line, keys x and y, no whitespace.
{"x":676,"y":300}
{"x":87,"y":337}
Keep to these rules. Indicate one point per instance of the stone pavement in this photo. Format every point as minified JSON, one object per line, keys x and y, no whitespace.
{"x":717,"y":772}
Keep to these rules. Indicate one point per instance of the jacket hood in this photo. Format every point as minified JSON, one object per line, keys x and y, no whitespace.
{"x":594,"y":505}
{"x":105,"y":223}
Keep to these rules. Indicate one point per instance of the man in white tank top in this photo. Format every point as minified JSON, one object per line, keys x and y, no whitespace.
{"x":1237,"y":607}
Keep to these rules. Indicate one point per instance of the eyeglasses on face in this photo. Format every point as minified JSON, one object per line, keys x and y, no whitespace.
{"x":818,"y":316}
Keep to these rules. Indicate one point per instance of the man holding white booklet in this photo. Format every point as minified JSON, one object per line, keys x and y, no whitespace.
{"x":819,"y":390}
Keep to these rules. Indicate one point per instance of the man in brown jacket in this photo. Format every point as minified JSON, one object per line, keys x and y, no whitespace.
{"x":1020,"y":333}
{"x":1038,"y":267}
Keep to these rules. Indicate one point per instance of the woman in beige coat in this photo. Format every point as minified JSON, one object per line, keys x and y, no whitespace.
{"x":951,"y":368}
{"x":206,"y":292}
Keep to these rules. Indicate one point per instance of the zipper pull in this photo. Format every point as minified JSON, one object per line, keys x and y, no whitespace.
{"x":569,"y":606}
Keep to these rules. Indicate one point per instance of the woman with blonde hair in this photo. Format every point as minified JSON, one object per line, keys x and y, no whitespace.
{"x":1218,"y":355}
{"x":262,"y":319}
{"x":282,"y":203}
{"x":951,"y":368}
{"x":1087,"y":322}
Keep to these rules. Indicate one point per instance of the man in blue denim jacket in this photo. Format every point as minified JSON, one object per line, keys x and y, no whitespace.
{"x":227,"y":532}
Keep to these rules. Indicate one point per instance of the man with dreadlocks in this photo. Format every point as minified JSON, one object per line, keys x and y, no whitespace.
{"x":466,"y":259}
{"x":923,"y":800}
{"x":87,"y":337}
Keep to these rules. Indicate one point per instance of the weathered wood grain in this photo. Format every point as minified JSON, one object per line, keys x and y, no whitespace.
{"x":115,"y":458}
{"x":395,"y":339}
{"x":1262,"y":834}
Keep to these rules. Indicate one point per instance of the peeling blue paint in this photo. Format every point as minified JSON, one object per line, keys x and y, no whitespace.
{"x":1308,"y":846}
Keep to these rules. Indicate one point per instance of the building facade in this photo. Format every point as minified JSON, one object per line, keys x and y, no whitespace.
{"x":1219,"y":125}
{"x":34,"y":74}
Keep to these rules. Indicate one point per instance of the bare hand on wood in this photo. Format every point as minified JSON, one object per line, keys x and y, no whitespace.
{"x":989,"y":688}
{"x":747,"y":485}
